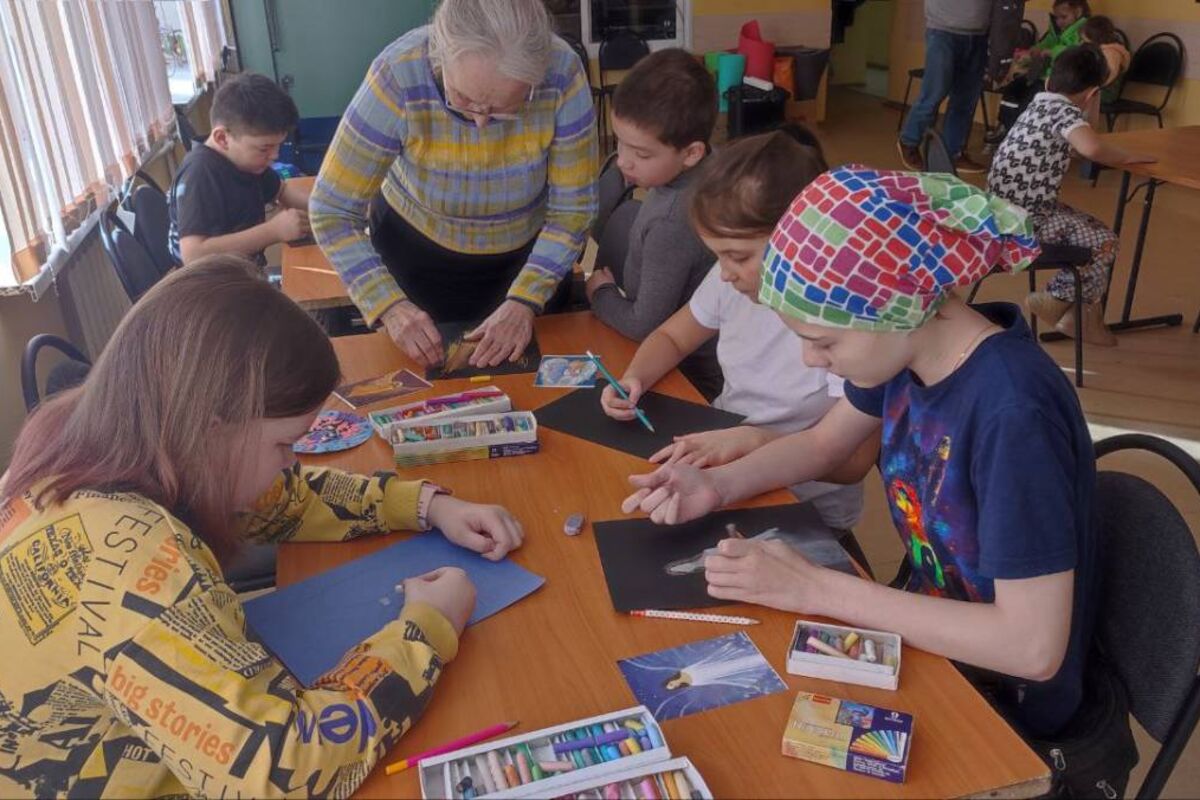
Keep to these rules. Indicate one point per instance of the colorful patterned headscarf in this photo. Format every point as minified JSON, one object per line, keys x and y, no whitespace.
{"x":881,"y":250}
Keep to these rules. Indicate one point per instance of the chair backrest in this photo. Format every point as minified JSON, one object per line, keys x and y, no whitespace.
{"x":1148,"y":623}
{"x":152,"y":225}
{"x":1122,"y":37}
{"x":69,"y":373}
{"x":934,"y":153}
{"x":1028,"y":36}
{"x":135,"y":267}
{"x":187,"y":134}
{"x":612,"y":191}
{"x":1158,"y":61}
{"x":580,"y":51}
{"x":621,"y":50}
{"x":613,"y":245}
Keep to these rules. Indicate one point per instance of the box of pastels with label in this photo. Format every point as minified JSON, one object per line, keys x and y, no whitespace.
{"x":487,"y":400}
{"x":849,"y":655}
{"x":622,"y":754}
{"x":513,"y":433}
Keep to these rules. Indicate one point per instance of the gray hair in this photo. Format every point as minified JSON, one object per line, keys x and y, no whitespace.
{"x":515,"y":33}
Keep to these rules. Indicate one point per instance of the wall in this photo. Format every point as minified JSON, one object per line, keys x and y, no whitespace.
{"x":868,"y":41}
{"x":715,"y":23}
{"x":325,"y":46}
{"x":1138,"y":18}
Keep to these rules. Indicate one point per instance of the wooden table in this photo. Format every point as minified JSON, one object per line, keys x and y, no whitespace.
{"x":1178,"y":154}
{"x":308,"y":277}
{"x":552,"y":657}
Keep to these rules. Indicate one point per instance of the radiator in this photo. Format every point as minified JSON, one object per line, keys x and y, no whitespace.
{"x":93,"y":300}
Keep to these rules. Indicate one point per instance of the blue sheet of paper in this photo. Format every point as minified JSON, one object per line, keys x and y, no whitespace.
{"x":310,"y":625}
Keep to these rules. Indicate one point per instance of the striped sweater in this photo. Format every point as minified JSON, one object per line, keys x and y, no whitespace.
{"x":471,"y":190}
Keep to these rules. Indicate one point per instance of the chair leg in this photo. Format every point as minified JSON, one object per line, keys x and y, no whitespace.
{"x":1158,"y":116}
{"x":1033,"y":316}
{"x":1078,"y":326}
{"x":1196,"y":327}
{"x":974,"y":291}
{"x":904,"y":105}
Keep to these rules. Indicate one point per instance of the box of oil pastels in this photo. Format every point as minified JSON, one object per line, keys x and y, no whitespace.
{"x":488,"y":400}
{"x":513,"y":433}
{"x":849,"y":655}
{"x":622,"y":754}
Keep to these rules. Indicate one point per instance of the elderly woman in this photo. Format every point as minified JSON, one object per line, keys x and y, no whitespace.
{"x":470,"y":150}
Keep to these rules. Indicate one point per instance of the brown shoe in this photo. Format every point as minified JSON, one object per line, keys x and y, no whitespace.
{"x":910,"y":156}
{"x":968,"y":166}
{"x":1047,"y":308}
{"x":1095,"y":331}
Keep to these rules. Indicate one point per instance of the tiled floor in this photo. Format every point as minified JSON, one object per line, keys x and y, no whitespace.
{"x":1149,"y":383}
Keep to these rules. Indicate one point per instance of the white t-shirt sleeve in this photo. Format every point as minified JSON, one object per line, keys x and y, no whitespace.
{"x":705,"y":304}
{"x":835,"y":385}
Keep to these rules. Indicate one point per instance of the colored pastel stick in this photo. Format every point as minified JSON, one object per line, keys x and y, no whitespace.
{"x":672,"y":788}
{"x":827,"y":649}
{"x":488,"y":782}
{"x":634,"y":747}
{"x":624,"y":747}
{"x":535,"y":769}
{"x":612,"y":792}
{"x":620,"y":390}
{"x":655,"y":735}
{"x":648,"y":789}
{"x":523,"y":768}
{"x":556,"y":766}
{"x":510,"y":772}
{"x":498,"y":779}
{"x":458,"y":744}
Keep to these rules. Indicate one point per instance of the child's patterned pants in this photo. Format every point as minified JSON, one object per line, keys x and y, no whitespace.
{"x":1065,"y":225}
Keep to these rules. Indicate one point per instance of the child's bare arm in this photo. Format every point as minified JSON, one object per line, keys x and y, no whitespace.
{"x":1091,"y":146}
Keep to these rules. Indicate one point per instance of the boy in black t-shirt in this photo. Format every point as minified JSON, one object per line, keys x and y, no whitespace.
{"x":219,"y":196}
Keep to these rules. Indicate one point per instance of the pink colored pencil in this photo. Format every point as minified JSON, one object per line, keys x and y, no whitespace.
{"x":465,"y":741}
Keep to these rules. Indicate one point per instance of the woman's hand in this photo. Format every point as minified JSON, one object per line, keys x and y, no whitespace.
{"x":712,"y":448}
{"x":617,"y":408}
{"x":488,"y":530}
{"x":673,"y":494}
{"x":765,"y":573}
{"x":601,"y":276}
{"x":448,"y":589}
{"x":503,"y":335}
{"x":413,"y":332}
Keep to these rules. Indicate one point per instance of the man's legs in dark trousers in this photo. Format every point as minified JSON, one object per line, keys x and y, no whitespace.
{"x":969,"y":64}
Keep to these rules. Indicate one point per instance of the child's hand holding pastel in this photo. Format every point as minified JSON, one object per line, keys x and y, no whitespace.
{"x":765,"y":573}
{"x":488,"y":530}
{"x":617,"y":407}
{"x":712,"y":448}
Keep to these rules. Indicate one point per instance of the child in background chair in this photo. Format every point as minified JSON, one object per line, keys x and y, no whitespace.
{"x":1028,"y":170}
{"x":1100,"y":31}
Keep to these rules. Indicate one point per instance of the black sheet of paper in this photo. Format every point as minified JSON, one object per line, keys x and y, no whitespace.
{"x":579,"y":414}
{"x":659,"y":566}
{"x":458,"y":353}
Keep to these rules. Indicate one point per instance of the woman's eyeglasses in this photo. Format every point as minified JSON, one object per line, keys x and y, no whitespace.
{"x":474,"y":109}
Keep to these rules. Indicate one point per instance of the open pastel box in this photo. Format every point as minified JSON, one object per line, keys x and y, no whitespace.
{"x":565,"y":759}
{"x":486,"y":400}
{"x":879,"y":667}
{"x":511,"y":433}
{"x":677,"y":779}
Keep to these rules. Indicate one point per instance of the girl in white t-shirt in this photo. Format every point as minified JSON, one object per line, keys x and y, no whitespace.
{"x":744,"y":190}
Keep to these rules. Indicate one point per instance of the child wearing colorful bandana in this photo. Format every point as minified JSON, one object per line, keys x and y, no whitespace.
{"x":986,"y":458}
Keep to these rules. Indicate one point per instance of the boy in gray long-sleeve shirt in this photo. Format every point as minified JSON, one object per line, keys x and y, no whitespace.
{"x":663,"y":115}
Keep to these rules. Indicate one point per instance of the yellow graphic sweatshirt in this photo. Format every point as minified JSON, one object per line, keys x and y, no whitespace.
{"x":127,"y":670}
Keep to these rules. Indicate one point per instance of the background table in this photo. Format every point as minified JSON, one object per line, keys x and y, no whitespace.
{"x":1177,"y":151}
{"x":552,"y":657}
{"x":308,"y":277}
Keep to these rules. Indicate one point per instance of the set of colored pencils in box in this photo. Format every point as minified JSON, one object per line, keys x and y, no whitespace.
{"x":565,"y":760}
{"x":512,"y":433}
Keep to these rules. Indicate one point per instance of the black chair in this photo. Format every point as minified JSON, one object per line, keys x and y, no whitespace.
{"x":613,"y":244}
{"x":63,"y":375}
{"x":1158,"y":61}
{"x":586,"y":60}
{"x":1148,"y":622}
{"x":135,"y":267}
{"x":152,"y":225}
{"x":620,"y":50}
{"x":612,"y":191}
{"x":934,"y":154}
{"x":1028,"y":36}
{"x":187,"y":134}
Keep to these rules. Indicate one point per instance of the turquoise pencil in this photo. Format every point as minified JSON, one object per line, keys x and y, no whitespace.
{"x":641,"y":415}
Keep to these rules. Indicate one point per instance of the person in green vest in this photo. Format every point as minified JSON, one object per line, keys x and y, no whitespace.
{"x":1067,"y":18}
